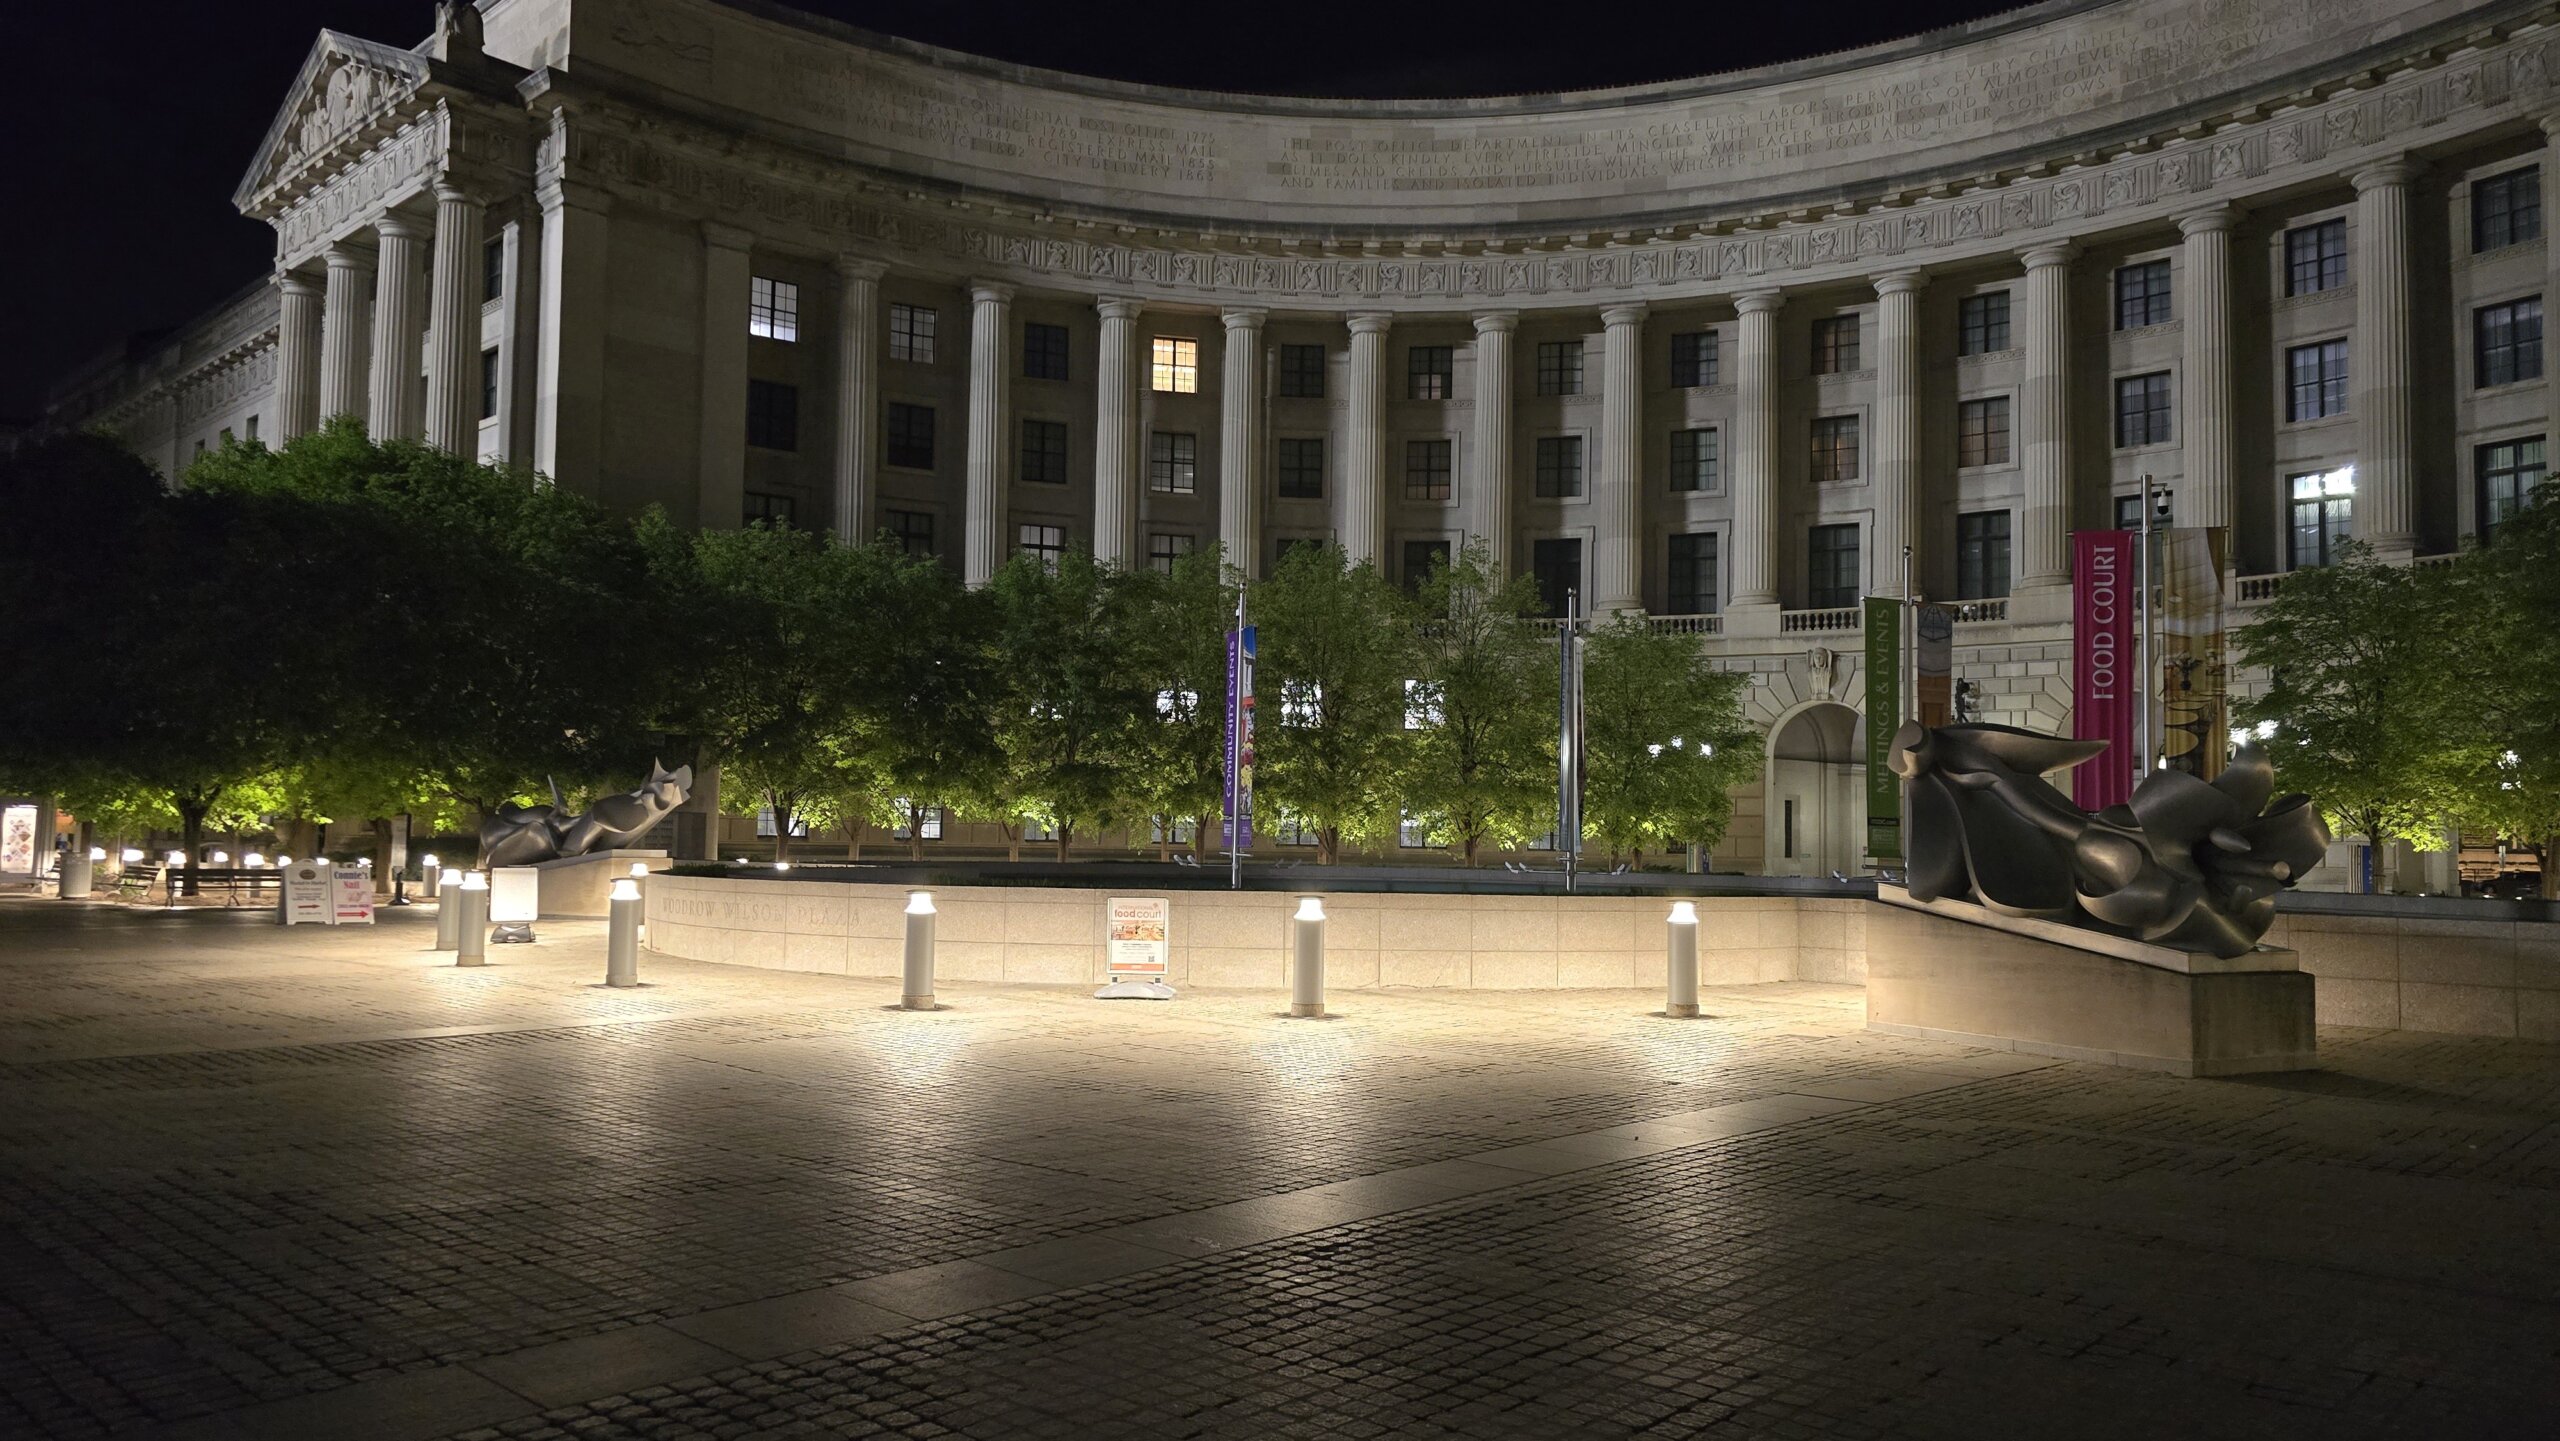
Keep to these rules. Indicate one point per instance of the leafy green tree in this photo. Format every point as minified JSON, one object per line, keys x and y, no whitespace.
{"x":1179,"y":626}
{"x":1336,"y":651}
{"x":932,"y":699}
{"x":1483,"y":764}
{"x":1074,"y":701}
{"x":2502,"y":728}
{"x":1664,"y":738}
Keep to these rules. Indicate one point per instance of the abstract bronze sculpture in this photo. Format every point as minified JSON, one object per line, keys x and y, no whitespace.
{"x":2189,"y":863}
{"x":525,"y":835}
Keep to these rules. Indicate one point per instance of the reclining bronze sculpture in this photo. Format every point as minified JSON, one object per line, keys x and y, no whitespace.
{"x":525,"y":835}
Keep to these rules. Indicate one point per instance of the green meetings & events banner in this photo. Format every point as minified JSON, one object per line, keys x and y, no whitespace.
{"x":1884,"y":717}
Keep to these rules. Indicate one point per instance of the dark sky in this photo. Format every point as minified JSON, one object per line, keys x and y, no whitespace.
{"x":134,"y":122}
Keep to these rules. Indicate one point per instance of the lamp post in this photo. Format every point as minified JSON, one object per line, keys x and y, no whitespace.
{"x":916,"y":992}
{"x":431,"y":876}
{"x":622,"y":935}
{"x":1682,"y":942}
{"x":1306,"y":959}
{"x":472,"y":939}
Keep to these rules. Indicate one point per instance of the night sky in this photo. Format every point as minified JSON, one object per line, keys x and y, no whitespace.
{"x":134,"y":122}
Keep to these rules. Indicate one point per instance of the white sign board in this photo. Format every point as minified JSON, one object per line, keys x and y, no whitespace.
{"x":1138,"y":936}
{"x":515,"y":895}
{"x":18,"y":841}
{"x":307,"y":899}
{"x":355,"y":898}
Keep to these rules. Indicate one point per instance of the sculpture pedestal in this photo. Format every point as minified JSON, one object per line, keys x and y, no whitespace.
{"x":579,"y":887}
{"x":1951,"y":970}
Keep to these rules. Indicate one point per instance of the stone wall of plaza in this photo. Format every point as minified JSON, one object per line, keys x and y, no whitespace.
{"x":1714,"y":349}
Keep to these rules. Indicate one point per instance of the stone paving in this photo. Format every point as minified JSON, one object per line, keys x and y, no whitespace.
{"x":314,"y":1183}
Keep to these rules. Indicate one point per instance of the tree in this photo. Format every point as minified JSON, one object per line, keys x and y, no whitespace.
{"x":932,"y":697}
{"x":2355,"y":711}
{"x":1336,"y":651}
{"x":1483,"y":763}
{"x":1179,"y":626}
{"x":2502,"y":736}
{"x":1074,"y":696}
{"x":1664,"y":739}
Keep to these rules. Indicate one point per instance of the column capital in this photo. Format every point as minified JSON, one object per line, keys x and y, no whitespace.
{"x":2390,"y":170}
{"x":1497,"y":322}
{"x":294,"y":282}
{"x":392,"y":225}
{"x":1116,"y":308}
{"x":1369,"y":322}
{"x":348,"y":254}
{"x":449,"y":191}
{"x":1244,"y":317}
{"x":1901,"y":282}
{"x":1759,"y":302}
{"x":720,"y":236}
{"x":2210,"y":220}
{"x":1615,"y":316}
{"x":2044,"y":257}
{"x":990,"y":292}
{"x":2551,"y":124}
{"x":850,"y":266}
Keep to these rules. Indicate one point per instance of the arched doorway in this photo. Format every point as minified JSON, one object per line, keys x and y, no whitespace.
{"x":1817,"y":773}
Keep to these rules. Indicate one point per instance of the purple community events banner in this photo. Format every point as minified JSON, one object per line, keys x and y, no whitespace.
{"x":1238,"y":826}
{"x":2102,"y":663}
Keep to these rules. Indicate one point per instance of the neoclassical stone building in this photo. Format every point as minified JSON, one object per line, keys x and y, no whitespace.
{"x":1715,"y":349}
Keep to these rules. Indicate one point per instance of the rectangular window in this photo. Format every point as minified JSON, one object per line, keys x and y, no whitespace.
{"x":1835,"y":345}
{"x":2315,"y":258}
{"x":1302,"y":372}
{"x":908,"y":818}
{"x":226,"y":437}
{"x":1835,"y":448}
{"x":1982,"y":323}
{"x":1044,"y":351}
{"x":2507,"y":342}
{"x":773,"y":309}
{"x":1429,"y":371}
{"x":2506,"y":209}
{"x":493,"y":269}
{"x":909,"y":435}
{"x":1426,"y":470}
{"x":1692,"y":575}
{"x":1164,"y":550}
{"x":1173,"y":462}
{"x":1421,"y":558}
{"x":1557,"y":565}
{"x":2129,"y":509}
{"x":1044,"y":543}
{"x":773,"y":415}
{"x":1044,"y":452}
{"x":1694,"y":361}
{"x":252,"y":431}
{"x":1294,"y":831}
{"x":1301,"y":469}
{"x":2315,"y":380}
{"x":911,"y":333}
{"x":2142,"y":295}
{"x":1559,"y":466}
{"x":488,"y":385}
{"x":2142,"y":409}
{"x":913,"y":530}
{"x":1831,"y":567}
{"x":1982,"y":555}
{"x":1175,"y":367}
{"x":2508,"y":472}
{"x":1982,"y":431}
{"x":775,"y":510}
{"x":1559,"y":367}
{"x":1695,"y":461}
{"x":2323,"y":513}
{"x":1411,"y":834}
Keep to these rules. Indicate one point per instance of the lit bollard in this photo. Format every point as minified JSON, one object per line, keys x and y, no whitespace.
{"x":919,"y":980}
{"x":1683,"y":927}
{"x":472,"y":939}
{"x":449,"y":917}
{"x":431,"y":878}
{"x":79,"y":871}
{"x":1306,"y":960}
{"x":622,"y":935}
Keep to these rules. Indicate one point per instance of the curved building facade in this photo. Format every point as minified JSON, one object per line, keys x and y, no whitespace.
{"x":1718,"y":350}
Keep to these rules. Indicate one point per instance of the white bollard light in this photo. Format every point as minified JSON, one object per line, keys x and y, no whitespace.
{"x":1306,"y":959}
{"x":1683,"y":927}
{"x":449,"y":907}
{"x":918,"y":989}
{"x":472,"y":939}
{"x":431,"y":877}
{"x":622,"y":935}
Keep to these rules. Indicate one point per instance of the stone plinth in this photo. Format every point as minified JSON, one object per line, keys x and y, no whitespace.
{"x":1956,"y":971}
{"x":577,"y":886}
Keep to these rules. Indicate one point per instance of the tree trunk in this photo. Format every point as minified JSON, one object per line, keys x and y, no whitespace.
{"x":191,"y":835}
{"x":381,"y":827}
{"x":1473,"y":840}
{"x":915,"y":833}
{"x":1164,"y":839}
{"x":1202,"y":829}
{"x":853,"y":830}
{"x":1328,"y":844}
{"x":1066,"y":833}
{"x":2551,"y":868}
{"x":781,"y":824}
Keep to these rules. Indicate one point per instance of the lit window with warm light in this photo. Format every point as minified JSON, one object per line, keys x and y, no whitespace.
{"x":1177,"y":366}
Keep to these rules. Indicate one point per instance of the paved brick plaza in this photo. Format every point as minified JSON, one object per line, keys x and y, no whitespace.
{"x":306,"y":1184}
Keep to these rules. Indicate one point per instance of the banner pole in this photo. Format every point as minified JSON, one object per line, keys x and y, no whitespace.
{"x":1236,"y":672}
{"x":2142,"y":645}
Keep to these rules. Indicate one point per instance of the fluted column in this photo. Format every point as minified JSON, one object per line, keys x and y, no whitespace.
{"x":857,"y":395}
{"x":2386,"y":514}
{"x":2209,"y":426}
{"x":1364,"y":470}
{"x":1489,"y":499}
{"x":346,"y":333}
{"x":1240,"y":440}
{"x":1617,"y":565}
{"x":1897,"y":467}
{"x":2551,"y":286}
{"x":453,"y":334}
{"x":721,"y":477}
{"x":1115,"y":437}
{"x":990,"y":307}
{"x":298,"y":345}
{"x":2044,"y":420}
{"x":399,"y":324}
{"x":568,"y":410}
{"x":1755,"y":426}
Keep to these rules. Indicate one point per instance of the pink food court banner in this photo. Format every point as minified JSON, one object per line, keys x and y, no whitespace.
{"x":2103,"y":663}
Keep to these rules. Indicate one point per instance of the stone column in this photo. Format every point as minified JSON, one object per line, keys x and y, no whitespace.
{"x":1617,"y":492}
{"x":515,"y":342}
{"x":990,"y":309}
{"x":1897,"y":459}
{"x":346,"y":330}
{"x":2209,"y":424}
{"x":568,"y":407}
{"x":298,"y":345}
{"x":2044,"y":420}
{"x":399,"y":324}
{"x":2550,"y":288}
{"x":453,"y":334}
{"x":1755,"y":424}
{"x":2386,"y":513}
{"x":1240,"y":441}
{"x":721,"y":502}
{"x":1364,"y":469}
{"x":1489,"y":501}
{"x":1115,"y":437}
{"x":857,"y":396}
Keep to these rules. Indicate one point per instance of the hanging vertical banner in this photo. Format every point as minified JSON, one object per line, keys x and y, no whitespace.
{"x":2103,"y":663}
{"x":2189,"y":661}
{"x":1238,"y":826}
{"x":1884,"y":717}
{"x":1933,"y":665}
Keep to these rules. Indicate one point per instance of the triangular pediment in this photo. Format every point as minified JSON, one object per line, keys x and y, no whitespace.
{"x":345,"y":87}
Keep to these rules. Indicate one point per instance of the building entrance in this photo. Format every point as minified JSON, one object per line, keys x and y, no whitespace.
{"x":1817,"y":814}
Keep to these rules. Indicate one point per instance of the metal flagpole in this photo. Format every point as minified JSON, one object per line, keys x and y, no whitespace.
{"x":1569,"y":748}
{"x":2142,"y":646}
{"x":1908,"y":663}
{"x":1236,"y":672}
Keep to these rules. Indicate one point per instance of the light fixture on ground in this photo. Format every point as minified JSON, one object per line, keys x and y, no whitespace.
{"x":917,"y":991}
{"x":253,"y":860}
{"x":1306,"y":959}
{"x":449,"y":912}
{"x":622,"y":935}
{"x":1682,"y":945}
{"x":431,"y":873}
{"x":472,"y":936}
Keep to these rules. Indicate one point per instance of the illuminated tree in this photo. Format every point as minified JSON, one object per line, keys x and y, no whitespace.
{"x":1482,"y":764}
{"x":1336,"y":651}
{"x":1665,"y":739}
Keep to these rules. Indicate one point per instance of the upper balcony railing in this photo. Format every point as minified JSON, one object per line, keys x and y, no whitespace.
{"x":1686,"y":624}
{"x":1800,"y":622}
{"x":2253,"y":589}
